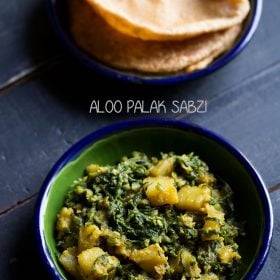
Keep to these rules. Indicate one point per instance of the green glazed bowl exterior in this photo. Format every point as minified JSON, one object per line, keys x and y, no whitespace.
{"x":108,"y":145}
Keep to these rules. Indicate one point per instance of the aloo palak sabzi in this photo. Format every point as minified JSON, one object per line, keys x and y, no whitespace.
{"x":149,"y":218}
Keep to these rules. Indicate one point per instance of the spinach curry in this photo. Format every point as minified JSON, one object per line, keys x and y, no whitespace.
{"x":149,"y":218}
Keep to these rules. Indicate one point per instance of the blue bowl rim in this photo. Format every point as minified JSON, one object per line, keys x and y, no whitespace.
{"x":107,"y":131}
{"x":111,"y":72}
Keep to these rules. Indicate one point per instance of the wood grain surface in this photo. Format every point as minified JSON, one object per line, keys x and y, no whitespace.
{"x":26,"y":39}
{"x":44,"y":108}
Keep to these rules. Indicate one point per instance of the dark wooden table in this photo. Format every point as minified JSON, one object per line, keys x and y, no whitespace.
{"x":44,"y":103}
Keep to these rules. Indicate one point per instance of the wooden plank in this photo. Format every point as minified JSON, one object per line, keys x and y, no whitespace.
{"x":26,"y":39}
{"x":19,"y":256}
{"x":32,"y":138}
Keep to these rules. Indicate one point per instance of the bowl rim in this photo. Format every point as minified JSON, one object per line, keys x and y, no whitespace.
{"x":118,"y":127}
{"x":112,"y":72}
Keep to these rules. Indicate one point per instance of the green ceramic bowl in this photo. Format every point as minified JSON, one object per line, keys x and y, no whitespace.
{"x":108,"y":145}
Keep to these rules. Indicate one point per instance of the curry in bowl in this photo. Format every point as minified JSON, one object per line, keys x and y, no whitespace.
{"x":149,"y":218}
{"x":129,"y":226}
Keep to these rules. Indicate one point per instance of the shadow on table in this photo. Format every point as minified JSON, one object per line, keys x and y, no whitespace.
{"x":76,"y":86}
{"x":27,"y":263}
{"x":40,"y":41}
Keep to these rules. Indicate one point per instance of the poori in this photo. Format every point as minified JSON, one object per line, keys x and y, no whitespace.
{"x":144,"y":217}
{"x":170,"y":19}
{"x":187,"y":40}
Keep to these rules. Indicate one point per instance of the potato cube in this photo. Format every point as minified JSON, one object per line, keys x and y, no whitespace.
{"x":118,"y":242}
{"x":212,"y":212}
{"x":227,"y":254}
{"x":161,"y":190}
{"x":210,"y":276}
{"x":69,"y":261}
{"x":95,"y":264}
{"x":187,"y":221}
{"x":163,"y":168}
{"x":207,"y":179}
{"x":193,"y":198}
{"x":142,"y":277}
{"x":151,"y":259}
{"x":64,"y":220}
{"x":88,"y":237}
{"x":209,"y":226}
{"x":94,"y":170}
{"x":86,"y":260}
{"x":188,"y":263}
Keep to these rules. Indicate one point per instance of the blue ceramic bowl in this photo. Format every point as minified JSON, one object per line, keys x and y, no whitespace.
{"x":108,"y":145}
{"x":56,"y":12}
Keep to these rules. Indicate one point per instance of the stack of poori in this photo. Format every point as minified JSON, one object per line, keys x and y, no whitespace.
{"x":157,"y":36}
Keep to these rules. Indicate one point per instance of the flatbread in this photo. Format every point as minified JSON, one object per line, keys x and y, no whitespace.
{"x":171,"y":19}
{"x":92,"y":33}
{"x":203,"y":63}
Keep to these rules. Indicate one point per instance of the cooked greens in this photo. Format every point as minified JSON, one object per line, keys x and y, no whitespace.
{"x":149,"y":218}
